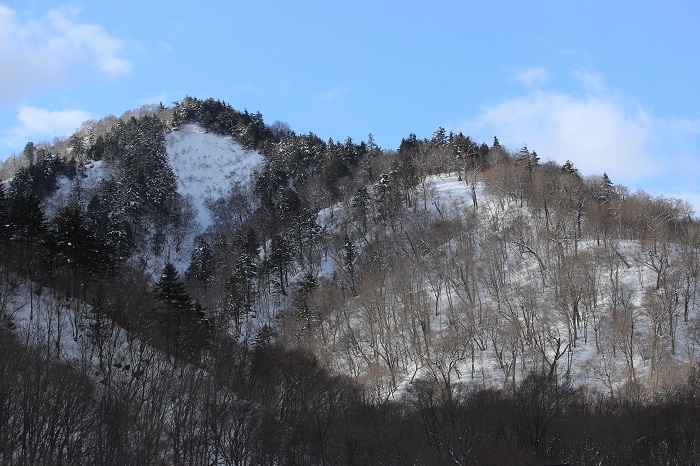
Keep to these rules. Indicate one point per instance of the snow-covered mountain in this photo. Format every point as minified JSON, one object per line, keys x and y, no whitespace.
{"x":334,"y":289}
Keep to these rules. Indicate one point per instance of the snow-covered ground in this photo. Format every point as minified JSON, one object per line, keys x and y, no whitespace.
{"x":208,"y":165}
{"x":92,"y":174}
{"x":364,"y":350}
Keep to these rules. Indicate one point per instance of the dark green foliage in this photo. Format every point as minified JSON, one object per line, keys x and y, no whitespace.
{"x":119,"y":240}
{"x":264,"y":339}
{"x":361,"y":204}
{"x":334,"y":169}
{"x":606,"y":189}
{"x":386,"y":197}
{"x":464,"y":148}
{"x":287,"y":204}
{"x":407,"y":175}
{"x":409,"y":147}
{"x":240,"y":290}
{"x":4,"y":221}
{"x":304,"y":233}
{"x":170,"y":291}
{"x":146,"y":174}
{"x":140,"y":202}
{"x":76,"y":245}
{"x":26,"y":220}
{"x":439,"y":138}
{"x":97,"y":149}
{"x":292,"y":161}
{"x":307,"y":285}
{"x":29,"y":152}
{"x":108,"y":216}
{"x":569,"y":168}
{"x":201,"y":268}
{"x":280,"y":260}
{"x":349,"y":259}
{"x":41,"y":177}
{"x":186,"y":326}
{"x":220,"y":117}
{"x":528,"y":160}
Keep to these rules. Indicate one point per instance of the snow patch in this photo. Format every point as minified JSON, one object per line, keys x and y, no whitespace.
{"x":208,"y":165}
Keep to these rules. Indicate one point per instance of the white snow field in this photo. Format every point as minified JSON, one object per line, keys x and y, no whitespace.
{"x":208,"y":165}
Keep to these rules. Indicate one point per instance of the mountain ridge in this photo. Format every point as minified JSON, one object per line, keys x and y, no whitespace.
{"x":420,"y":277}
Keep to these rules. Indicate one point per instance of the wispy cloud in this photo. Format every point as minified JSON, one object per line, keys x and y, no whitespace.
{"x":72,"y":37}
{"x":590,"y":80}
{"x":243,"y":87}
{"x":333,"y":93}
{"x":38,"y":122}
{"x":162,"y":97}
{"x":165,"y":46}
{"x":39,"y":52}
{"x":532,"y":76}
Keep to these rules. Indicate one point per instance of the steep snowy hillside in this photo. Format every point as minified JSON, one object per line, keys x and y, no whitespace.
{"x":85,"y":185}
{"x":481,"y":297}
{"x":208,"y":166}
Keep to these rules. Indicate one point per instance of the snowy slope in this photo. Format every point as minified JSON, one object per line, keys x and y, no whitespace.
{"x":207,"y":165}
{"x":93,"y":172}
{"x":447,"y":351}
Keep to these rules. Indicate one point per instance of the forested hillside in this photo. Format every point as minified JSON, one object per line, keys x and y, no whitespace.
{"x":192,"y":285}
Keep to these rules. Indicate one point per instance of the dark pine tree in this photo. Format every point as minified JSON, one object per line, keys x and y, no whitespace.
{"x":349,"y":258}
{"x":201,"y":268}
{"x":27,"y":223}
{"x":28,"y":230}
{"x":4,"y":221}
{"x":279,"y":260}
{"x":76,"y":242}
{"x":307,"y":285}
{"x":569,"y":168}
{"x":76,"y":246}
{"x":175,"y":305}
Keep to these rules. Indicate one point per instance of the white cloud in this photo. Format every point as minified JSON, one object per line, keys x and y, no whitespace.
{"x":36,"y":123}
{"x":333,"y":93}
{"x":38,"y":53}
{"x":532,"y":76}
{"x":590,"y":80}
{"x":165,"y":46}
{"x":74,"y":37}
{"x":598,"y":133}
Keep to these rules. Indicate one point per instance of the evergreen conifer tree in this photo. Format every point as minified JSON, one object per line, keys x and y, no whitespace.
{"x":4,"y":225}
{"x":26,"y":219}
{"x":175,"y":304}
{"x":349,"y":256}
{"x":569,"y":168}
{"x":76,"y":245}
{"x":280,"y":259}
{"x":201,"y":266}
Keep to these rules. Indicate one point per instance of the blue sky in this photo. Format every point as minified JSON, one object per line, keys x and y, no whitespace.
{"x":613,"y":86}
